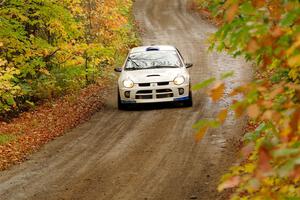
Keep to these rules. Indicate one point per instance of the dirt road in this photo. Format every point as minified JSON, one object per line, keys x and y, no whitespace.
{"x":144,"y":154}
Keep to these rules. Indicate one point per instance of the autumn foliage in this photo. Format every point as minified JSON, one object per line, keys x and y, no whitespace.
{"x":49,"y":48}
{"x":268,"y":34}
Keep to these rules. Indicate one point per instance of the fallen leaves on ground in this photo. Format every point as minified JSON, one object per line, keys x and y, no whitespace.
{"x":48,"y":121}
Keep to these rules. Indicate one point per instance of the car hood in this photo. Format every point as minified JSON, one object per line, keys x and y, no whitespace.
{"x":153,"y":75}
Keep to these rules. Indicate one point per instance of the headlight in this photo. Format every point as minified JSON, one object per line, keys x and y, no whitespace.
{"x":128,"y":83}
{"x":179,"y":80}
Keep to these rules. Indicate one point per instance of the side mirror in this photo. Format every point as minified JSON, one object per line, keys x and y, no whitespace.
{"x":189,"y":65}
{"x":118,"y":69}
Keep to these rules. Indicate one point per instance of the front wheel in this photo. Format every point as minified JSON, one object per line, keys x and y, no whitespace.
{"x":189,"y":102}
{"x":121,"y":106}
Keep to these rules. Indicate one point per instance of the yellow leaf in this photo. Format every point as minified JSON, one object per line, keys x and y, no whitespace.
{"x":294,"y":61}
{"x":217,"y":91}
{"x":223,"y":115}
{"x":44,"y":71}
{"x":2,"y":62}
{"x":249,"y":168}
{"x":294,"y":46}
{"x":201,"y":133}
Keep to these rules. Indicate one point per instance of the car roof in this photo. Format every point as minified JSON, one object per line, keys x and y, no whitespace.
{"x":153,"y":48}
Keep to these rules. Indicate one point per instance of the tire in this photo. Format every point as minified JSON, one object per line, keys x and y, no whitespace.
{"x":121,"y":106}
{"x":189,"y":102}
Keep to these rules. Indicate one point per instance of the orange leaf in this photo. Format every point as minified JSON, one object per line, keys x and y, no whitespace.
{"x":248,"y":149}
{"x":238,"y":110}
{"x":267,"y":104}
{"x":267,"y":115}
{"x":253,"y":111}
{"x":275,"y":92}
{"x":217,"y":91}
{"x":262,"y":89}
{"x":285,"y":134}
{"x":258,"y":3}
{"x":233,"y":93}
{"x":253,"y":46}
{"x":275,"y":9}
{"x":223,"y":115}
{"x":231,"y":12}
{"x":271,"y":115}
{"x":266,"y":60}
{"x":277,"y":32}
{"x":267,"y":40}
{"x":295,"y":120}
{"x":264,"y":166}
{"x":200,"y":134}
{"x":296,"y":173}
{"x":293,"y":86}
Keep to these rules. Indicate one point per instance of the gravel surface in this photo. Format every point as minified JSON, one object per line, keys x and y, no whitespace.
{"x":145,"y":153}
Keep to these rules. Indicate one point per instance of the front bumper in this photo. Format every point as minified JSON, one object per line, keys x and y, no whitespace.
{"x":154,"y":93}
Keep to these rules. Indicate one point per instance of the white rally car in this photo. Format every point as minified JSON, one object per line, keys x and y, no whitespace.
{"x":153,"y":74}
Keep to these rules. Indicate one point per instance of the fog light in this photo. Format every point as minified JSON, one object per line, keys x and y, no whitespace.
{"x":181,"y":91}
{"x":127,"y":94}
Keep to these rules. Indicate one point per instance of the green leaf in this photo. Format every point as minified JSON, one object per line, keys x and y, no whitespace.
{"x":207,"y":123}
{"x":286,"y":152}
{"x":10,"y":101}
{"x":254,"y":135}
{"x":29,"y":103}
{"x":290,"y":17}
{"x":251,"y":136}
{"x":286,"y":168}
{"x":227,"y":75}
{"x":203,"y":84}
{"x":6,"y":138}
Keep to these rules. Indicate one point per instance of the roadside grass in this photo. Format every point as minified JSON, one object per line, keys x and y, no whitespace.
{"x":6,"y":138}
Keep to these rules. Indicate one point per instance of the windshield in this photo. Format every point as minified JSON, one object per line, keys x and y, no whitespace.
{"x":152,"y":60}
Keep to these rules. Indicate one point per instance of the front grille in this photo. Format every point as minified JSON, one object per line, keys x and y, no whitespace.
{"x":163,"y":90}
{"x":164,"y":93}
{"x":155,"y":93}
{"x":162,"y":83}
{"x":144,"y":92}
{"x":144,"y":84}
{"x":161,"y":96}
{"x":144,"y":96}
{"x":158,"y":84}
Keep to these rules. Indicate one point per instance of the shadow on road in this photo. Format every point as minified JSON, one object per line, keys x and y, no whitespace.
{"x":155,"y":106}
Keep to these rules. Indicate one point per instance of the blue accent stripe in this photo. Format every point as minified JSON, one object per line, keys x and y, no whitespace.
{"x":182,"y":98}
